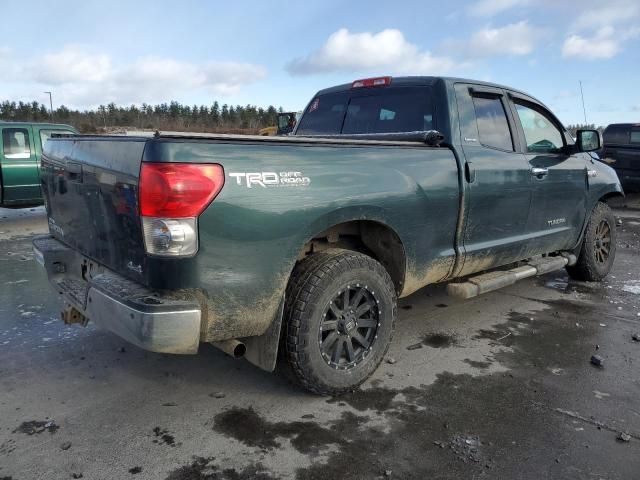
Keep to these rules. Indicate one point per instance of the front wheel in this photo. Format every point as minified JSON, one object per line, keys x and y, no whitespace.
{"x":340,"y":314}
{"x":598,"y":249}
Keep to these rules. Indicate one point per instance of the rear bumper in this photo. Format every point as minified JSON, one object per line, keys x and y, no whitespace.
{"x":152,"y":321}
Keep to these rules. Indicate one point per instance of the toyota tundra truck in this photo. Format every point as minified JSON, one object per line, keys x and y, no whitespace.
{"x":295,"y":249}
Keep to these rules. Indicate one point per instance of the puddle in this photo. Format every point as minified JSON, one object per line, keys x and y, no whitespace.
{"x":439,"y":340}
{"x":632,"y":286}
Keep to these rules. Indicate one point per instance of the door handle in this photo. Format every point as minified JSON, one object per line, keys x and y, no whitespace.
{"x":539,"y":172}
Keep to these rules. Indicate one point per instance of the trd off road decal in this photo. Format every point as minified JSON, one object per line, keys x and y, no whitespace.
{"x":270,"y":179}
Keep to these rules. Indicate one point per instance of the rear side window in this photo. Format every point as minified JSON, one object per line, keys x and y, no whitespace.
{"x":361,"y":112}
{"x":15,"y":143}
{"x":635,"y":136}
{"x":493,"y":126}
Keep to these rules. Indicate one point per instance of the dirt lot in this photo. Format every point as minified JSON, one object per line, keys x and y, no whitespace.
{"x":497,"y":387}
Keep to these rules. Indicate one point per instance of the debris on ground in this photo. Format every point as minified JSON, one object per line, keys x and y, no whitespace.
{"x":135,"y":470}
{"x":217,"y":395}
{"x":65,"y":445}
{"x":415,"y":346}
{"x":391,"y":360}
{"x":624,"y":437}
{"x":597,"y":360}
{"x":387,"y":473}
{"x":170,"y":404}
{"x":77,"y":475}
{"x":36,"y":427}
{"x":163,"y":436}
{"x":636,"y":337}
{"x":466,"y":448}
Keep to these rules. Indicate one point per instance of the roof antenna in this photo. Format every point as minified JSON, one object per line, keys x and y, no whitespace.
{"x":584,"y":110}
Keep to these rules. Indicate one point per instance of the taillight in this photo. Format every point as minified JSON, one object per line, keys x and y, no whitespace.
{"x":172,"y":196}
{"x":372,"y":82}
{"x":178,"y":190}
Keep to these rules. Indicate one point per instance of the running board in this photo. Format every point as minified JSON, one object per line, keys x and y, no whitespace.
{"x":488,"y":282}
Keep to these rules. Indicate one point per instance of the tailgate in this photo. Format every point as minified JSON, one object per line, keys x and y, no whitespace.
{"x":90,"y":187}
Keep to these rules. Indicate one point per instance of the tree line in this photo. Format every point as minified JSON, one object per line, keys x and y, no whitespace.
{"x":164,"y":116}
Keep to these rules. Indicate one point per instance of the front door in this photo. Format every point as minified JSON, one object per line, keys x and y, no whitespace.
{"x":20,"y":181}
{"x":559,"y":180}
{"x":497,"y":181}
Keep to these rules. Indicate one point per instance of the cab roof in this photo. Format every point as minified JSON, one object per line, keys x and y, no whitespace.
{"x":4,"y":123}
{"x":424,"y":81}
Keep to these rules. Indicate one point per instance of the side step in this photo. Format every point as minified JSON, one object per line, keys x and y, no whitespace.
{"x":487,"y":282}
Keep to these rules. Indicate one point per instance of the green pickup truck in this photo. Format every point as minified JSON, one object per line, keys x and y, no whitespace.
{"x":298,"y":247}
{"x":22,"y":145}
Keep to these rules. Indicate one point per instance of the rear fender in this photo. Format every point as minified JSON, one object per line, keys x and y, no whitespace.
{"x":262,"y":350}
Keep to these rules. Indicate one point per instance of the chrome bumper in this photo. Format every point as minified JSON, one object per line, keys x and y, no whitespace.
{"x":159,"y":323}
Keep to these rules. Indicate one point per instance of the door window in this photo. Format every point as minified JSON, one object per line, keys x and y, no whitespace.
{"x":15,"y":143}
{"x":493,"y":126}
{"x":541,"y":134}
{"x":635,"y":136}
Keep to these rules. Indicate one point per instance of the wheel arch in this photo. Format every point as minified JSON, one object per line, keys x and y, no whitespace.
{"x":603,"y":197}
{"x":369,"y":236}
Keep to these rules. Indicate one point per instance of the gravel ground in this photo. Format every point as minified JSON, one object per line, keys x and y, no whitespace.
{"x":500,"y":386}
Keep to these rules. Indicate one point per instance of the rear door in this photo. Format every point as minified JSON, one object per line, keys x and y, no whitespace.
{"x":19,"y":167}
{"x":559,"y":180}
{"x":497,"y":178}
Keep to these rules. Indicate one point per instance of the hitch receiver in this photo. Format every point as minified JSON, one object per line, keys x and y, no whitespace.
{"x":72,"y":315}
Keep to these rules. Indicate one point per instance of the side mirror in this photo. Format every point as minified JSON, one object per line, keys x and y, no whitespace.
{"x":588,"y":140}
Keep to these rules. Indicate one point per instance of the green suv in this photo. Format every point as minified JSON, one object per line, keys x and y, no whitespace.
{"x":22,"y":145}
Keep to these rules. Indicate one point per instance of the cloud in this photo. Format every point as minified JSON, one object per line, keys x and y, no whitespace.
{"x":596,"y":15}
{"x":385,"y":52}
{"x":489,"y":8}
{"x":604,"y":44}
{"x":601,"y":29}
{"x":514,"y":39}
{"x":84,"y":78}
{"x":69,"y":65}
{"x":564,"y":95}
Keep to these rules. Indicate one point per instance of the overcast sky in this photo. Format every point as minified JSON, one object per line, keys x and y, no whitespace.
{"x":271,"y":52}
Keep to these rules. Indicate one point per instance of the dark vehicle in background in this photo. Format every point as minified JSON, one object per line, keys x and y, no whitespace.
{"x":20,"y":153}
{"x":621,"y":150}
{"x":301,"y":244}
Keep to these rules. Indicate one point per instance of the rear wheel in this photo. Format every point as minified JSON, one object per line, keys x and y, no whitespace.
{"x":339,"y":316}
{"x":598,"y":249}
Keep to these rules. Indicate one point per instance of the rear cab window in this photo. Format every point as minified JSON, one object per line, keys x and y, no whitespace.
{"x":371,"y":110}
{"x":46,"y":135}
{"x":634,"y":137}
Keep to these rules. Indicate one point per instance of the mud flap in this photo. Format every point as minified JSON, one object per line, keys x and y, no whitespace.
{"x":262,"y":350}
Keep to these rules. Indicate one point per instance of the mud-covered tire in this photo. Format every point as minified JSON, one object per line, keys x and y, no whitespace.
{"x":315,"y":292}
{"x":598,"y":249}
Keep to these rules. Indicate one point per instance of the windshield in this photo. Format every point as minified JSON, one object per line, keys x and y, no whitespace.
{"x":388,"y":110}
